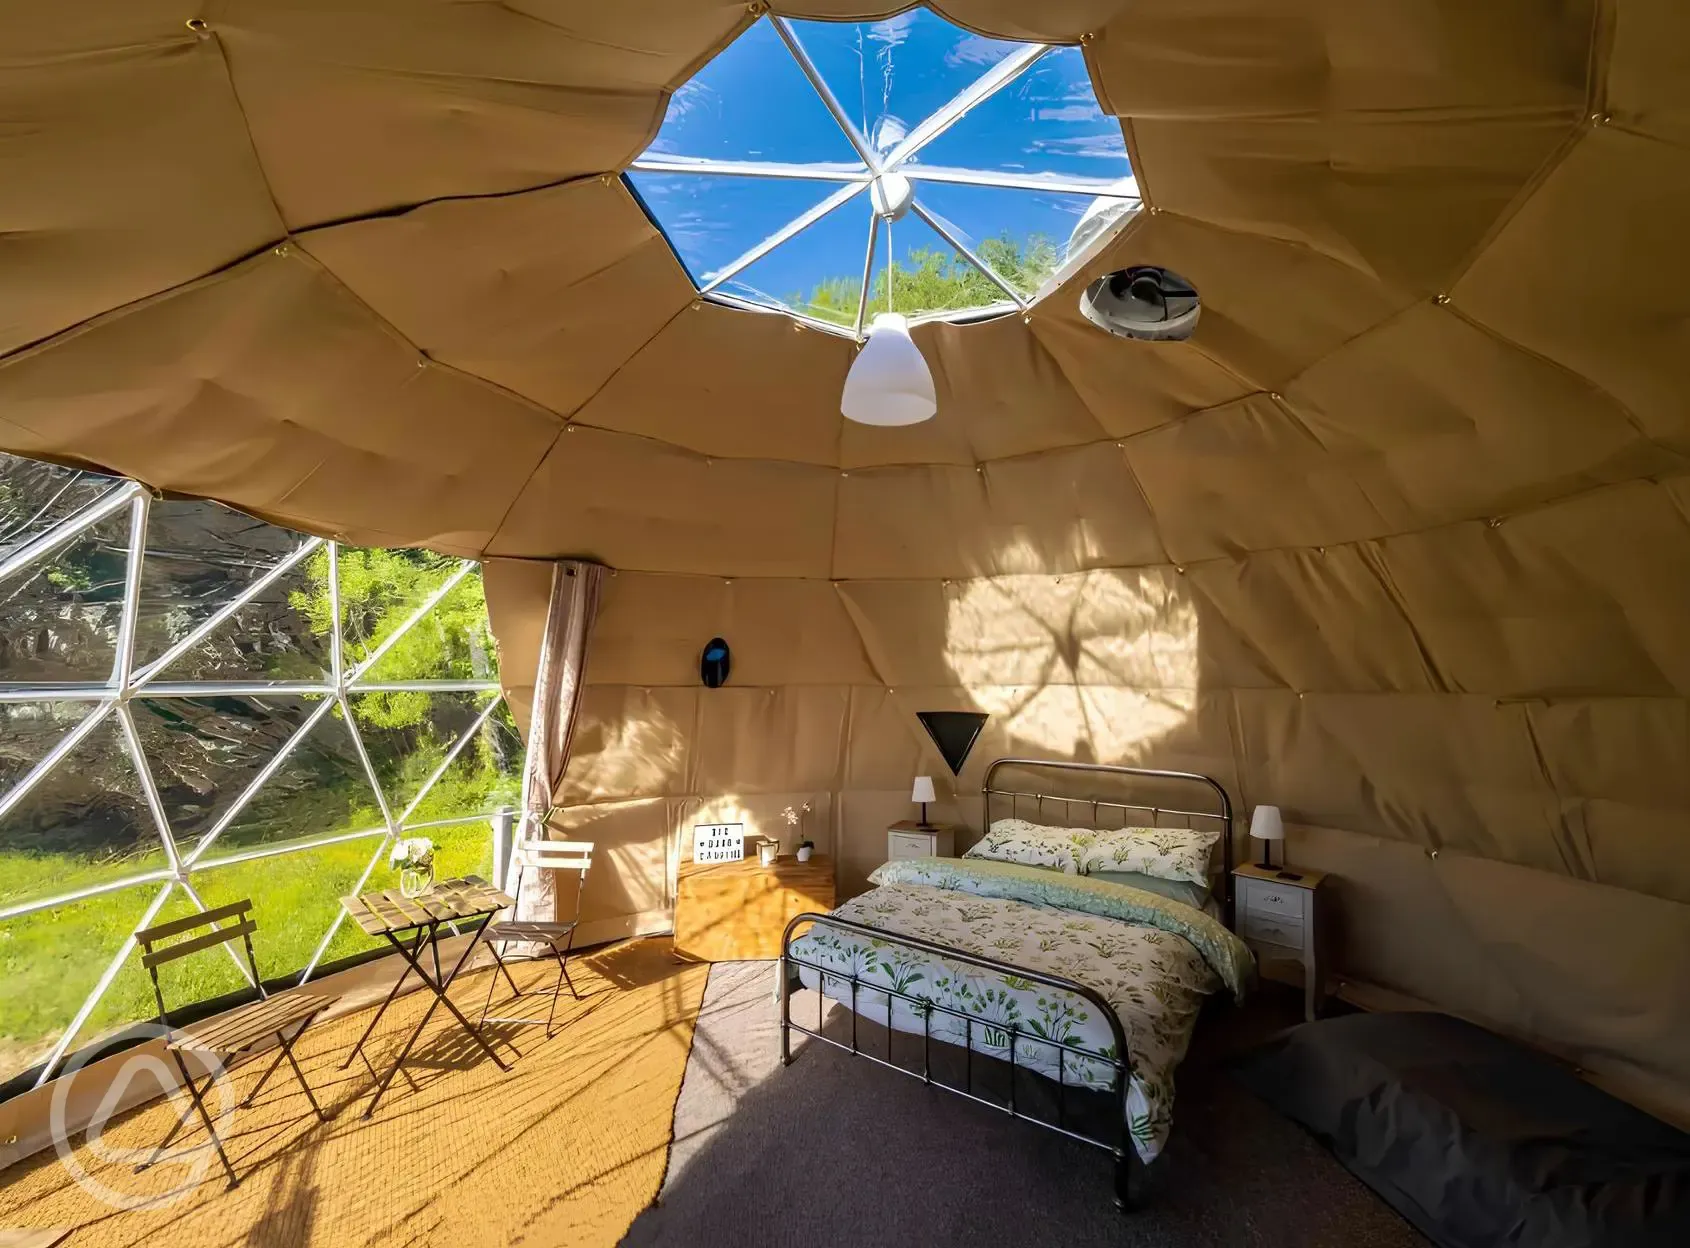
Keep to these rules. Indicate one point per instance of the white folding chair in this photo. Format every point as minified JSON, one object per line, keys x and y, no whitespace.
{"x":538,"y":854}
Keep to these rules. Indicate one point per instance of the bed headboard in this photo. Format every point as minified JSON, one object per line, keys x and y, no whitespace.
{"x":1207,"y":794}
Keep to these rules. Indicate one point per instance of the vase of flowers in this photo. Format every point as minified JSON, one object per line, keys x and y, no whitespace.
{"x":794,"y":816}
{"x":413,"y":858}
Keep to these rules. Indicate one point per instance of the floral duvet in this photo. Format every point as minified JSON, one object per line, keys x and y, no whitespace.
{"x":1152,"y":958}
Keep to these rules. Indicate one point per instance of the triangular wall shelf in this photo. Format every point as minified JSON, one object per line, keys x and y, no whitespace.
{"x":954,"y":732}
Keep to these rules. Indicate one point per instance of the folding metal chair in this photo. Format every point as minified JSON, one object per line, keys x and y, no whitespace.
{"x":538,"y":854}
{"x":229,"y":1035}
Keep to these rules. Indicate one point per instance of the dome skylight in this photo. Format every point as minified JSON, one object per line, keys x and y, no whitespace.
{"x":833,"y":170}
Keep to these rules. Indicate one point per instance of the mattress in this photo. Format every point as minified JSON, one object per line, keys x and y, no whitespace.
{"x":1153,"y":959}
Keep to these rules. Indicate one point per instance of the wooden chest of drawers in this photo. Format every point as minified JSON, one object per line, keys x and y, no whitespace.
{"x":734,"y":911}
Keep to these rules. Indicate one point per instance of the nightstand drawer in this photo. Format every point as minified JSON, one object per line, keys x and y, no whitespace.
{"x":901,"y":845}
{"x":1272,"y":929}
{"x":1274,"y":900}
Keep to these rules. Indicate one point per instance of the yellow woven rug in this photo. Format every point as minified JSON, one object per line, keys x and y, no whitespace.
{"x":565,"y":1149}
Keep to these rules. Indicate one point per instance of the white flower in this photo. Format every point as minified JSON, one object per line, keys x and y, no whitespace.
{"x":414,"y":851}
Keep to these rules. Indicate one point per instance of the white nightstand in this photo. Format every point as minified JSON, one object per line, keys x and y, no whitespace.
{"x":1278,"y":917}
{"x":908,"y":839}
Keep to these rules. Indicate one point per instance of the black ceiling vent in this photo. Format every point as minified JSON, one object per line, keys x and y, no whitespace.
{"x":954,"y":732}
{"x":1143,"y":302}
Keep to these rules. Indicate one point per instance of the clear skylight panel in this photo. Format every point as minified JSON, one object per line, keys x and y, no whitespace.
{"x":890,"y":76}
{"x":751,"y":102}
{"x":712,"y":219}
{"x":1046,"y":126}
{"x":772,"y":160}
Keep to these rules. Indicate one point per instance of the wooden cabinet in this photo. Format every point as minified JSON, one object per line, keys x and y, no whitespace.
{"x":733,"y":911}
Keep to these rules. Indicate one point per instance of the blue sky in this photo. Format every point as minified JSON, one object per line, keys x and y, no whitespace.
{"x":753,"y":103}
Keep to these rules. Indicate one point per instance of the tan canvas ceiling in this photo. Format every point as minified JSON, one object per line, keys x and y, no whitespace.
{"x":1399,"y":541}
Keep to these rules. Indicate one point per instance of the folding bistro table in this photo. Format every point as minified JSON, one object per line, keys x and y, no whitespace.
{"x":391,"y":914}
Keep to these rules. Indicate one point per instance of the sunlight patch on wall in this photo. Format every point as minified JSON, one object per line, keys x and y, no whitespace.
{"x":1095,"y":666}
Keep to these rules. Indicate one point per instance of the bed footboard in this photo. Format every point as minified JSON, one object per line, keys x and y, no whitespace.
{"x":1120,"y":1145}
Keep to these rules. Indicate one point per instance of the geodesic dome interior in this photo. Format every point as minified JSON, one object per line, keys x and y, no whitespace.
{"x":1398,"y":541}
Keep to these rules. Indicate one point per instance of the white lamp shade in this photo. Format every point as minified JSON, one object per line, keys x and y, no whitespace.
{"x":923,"y":790}
{"x":1266,"y":824}
{"x":889,"y":382}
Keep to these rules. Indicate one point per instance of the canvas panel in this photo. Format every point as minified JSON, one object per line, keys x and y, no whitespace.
{"x":270,"y":386}
{"x":1617,"y":765}
{"x":1038,"y":512}
{"x":103,"y":205}
{"x":1319,"y":620}
{"x":631,"y":851}
{"x":386,"y":104}
{"x":546,"y":293}
{"x":1440,"y":771}
{"x":728,"y":383}
{"x":1609,"y":306}
{"x":1464,"y":425}
{"x":1498,"y":616}
{"x":1405,"y":197}
{"x":1594,"y":974}
{"x":1218,"y":482}
{"x":641,"y":505}
{"x":631,"y":741}
{"x":1648,"y":78}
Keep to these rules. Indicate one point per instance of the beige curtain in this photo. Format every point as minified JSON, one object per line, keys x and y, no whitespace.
{"x":557,"y":697}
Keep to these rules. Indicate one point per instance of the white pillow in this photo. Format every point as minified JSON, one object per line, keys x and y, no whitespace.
{"x":1166,"y":853}
{"x":1033,"y":845}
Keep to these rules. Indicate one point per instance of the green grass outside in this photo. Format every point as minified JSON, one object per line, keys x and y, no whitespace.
{"x":51,"y":960}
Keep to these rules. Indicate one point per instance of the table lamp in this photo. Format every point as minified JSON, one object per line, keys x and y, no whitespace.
{"x":923,"y":793}
{"x":1267,"y":827}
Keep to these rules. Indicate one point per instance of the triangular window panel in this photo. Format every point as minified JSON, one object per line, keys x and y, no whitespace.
{"x":751,"y":102}
{"x":917,"y":272}
{"x":1045,"y":124}
{"x":202,"y":556}
{"x":53,"y":960}
{"x":30,"y":730}
{"x":321,"y":789}
{"x":818,"y":272}
{"x":409,"y":734}
{"x":714,"y":219}
{"x":193,"y":980}
{"x":1022,"y":236}
{"x":85,"y":822}
{"x":39,"y":495}
{"x":890,"y":76}
{"x":205,"y":753}
{"x":452,"y":642}
{"x":295,"y":897}
{"x":381,"y":589}
{"x":954,"y":732}
{"x":60,"y":615}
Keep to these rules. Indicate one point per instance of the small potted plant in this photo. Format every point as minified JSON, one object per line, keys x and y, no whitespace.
{"x":413,"y":858}
{"x":794,"y":817}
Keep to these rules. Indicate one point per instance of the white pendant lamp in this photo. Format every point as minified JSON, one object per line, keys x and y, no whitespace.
{"x":889,"y":382}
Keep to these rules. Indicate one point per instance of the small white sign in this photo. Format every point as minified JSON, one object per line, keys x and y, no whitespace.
{"x":718,"y":842}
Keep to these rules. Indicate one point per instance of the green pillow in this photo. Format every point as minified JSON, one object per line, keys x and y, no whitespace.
{"x":1179,"y":890}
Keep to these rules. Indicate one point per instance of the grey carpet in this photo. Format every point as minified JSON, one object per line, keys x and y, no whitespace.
{"x":837,"y":1151}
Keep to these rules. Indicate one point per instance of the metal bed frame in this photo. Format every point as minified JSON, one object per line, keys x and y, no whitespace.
{"x":1120,"y":1145}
